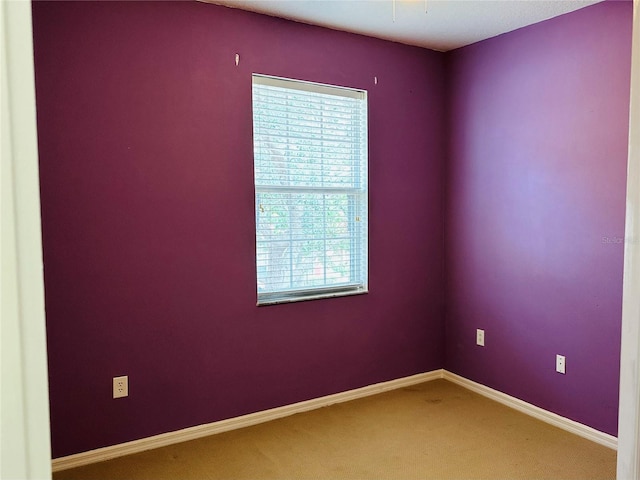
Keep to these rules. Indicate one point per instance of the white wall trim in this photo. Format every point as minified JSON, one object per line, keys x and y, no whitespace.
{"x":192,"y":433}
{"x":629,"y":407}
{"x":25,"y":450}
{"x":535,"y":412}
{"x":199,"y":431}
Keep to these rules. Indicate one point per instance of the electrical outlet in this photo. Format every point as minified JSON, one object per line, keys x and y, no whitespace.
{"x":480,"y":337}
{"x":120,"y":386}
{"x":561,"y":364}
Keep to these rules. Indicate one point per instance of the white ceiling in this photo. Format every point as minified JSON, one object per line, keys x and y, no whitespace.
{"x":447,"y":24}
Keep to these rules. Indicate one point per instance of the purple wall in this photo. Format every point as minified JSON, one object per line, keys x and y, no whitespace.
{"x":146,"y":171}
{"x":535,"y":210}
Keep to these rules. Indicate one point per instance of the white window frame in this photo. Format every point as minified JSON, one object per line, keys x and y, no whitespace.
{"x":357,"y":195}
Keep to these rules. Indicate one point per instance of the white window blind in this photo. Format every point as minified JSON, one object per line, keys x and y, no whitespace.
{"x":310,"y":172}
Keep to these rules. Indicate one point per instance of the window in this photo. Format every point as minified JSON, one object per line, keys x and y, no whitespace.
{"x":310,"y":173}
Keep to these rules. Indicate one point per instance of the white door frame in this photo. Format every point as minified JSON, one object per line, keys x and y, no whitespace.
{"x":25,"y":444}
{"x":26,"y":451}
{"x":629,"y":403}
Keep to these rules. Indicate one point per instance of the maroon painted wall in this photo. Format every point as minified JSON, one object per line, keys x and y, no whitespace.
{"x":144,"y":126}
{"x":535,"y":211}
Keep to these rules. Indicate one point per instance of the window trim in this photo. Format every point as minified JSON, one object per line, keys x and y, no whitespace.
{"x":306,"y":86}
{"x":347,"y":289}
{"x":289,"y":296}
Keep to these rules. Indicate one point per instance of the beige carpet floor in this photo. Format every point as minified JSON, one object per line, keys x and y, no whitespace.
{"x":435,"y":430}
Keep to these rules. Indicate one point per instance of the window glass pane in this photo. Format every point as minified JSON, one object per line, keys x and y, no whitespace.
{"x":310,"y":171}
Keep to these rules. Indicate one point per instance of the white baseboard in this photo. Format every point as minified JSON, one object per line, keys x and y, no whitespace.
{"x":170,"y":438}
{"x":536,"y":412}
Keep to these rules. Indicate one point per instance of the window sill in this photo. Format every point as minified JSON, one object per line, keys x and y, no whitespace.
{"x":276,"y":299}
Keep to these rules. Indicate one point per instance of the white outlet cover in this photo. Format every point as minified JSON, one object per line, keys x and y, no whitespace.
{"x":120,"y":386}
{"x":480,"y":337}
{"x":561,"y":364}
